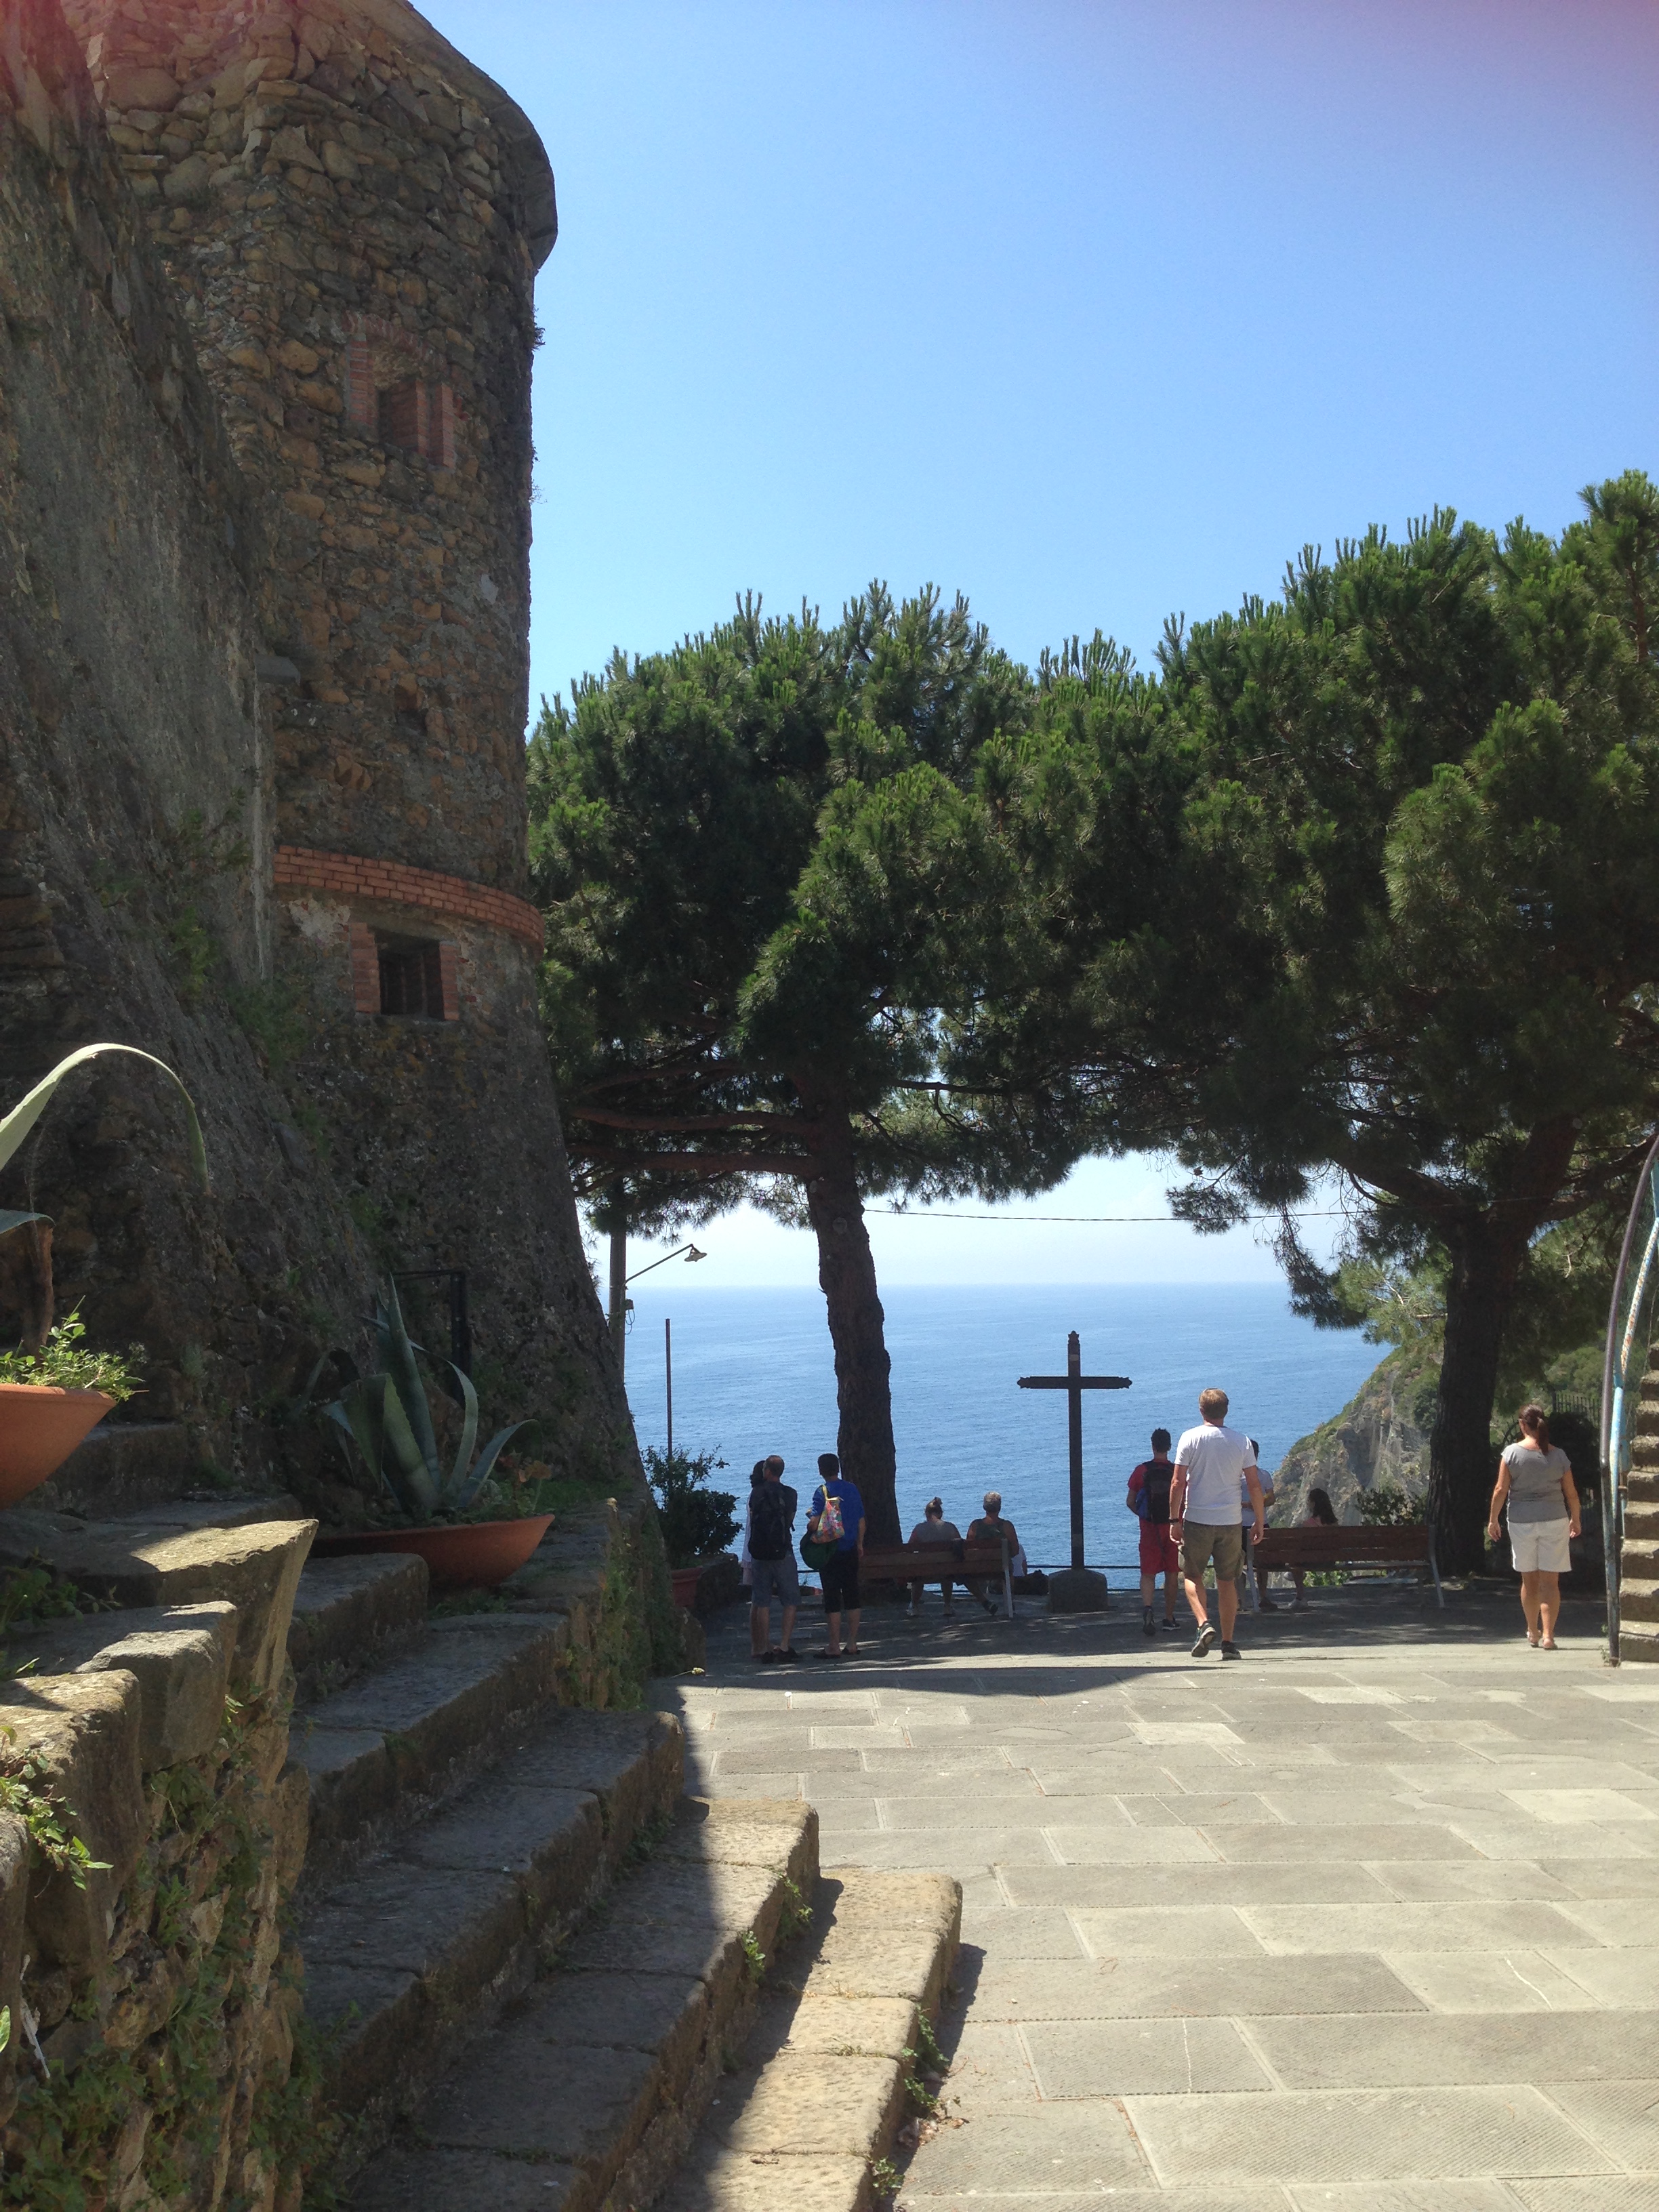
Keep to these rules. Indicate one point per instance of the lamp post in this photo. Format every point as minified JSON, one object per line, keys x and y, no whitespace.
{"x":620,"y":1305}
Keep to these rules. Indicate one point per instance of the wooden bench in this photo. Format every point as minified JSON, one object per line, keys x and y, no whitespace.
{"x":934,"y":1562}
{"x":1316,"y":1546}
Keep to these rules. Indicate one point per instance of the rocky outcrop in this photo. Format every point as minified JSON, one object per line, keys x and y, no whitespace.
{"x":1380,"y":1435}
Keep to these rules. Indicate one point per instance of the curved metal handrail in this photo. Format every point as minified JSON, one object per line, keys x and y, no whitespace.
{"x":1624,"y":1328}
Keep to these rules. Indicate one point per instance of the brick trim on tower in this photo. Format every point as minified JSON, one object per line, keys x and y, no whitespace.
{"x":365,"y":969}
{"x":389,"y":883}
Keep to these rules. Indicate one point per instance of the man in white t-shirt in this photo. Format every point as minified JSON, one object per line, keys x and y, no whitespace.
{"x":1215,"y":1469}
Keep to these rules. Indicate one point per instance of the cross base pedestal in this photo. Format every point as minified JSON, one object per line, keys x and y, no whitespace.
{"x":1078,"y":1589}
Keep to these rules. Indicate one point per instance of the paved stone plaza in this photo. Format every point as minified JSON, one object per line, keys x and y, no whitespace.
{"x":1369,"y":1921}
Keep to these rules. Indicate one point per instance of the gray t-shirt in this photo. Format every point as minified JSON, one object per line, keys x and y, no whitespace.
{"x":1535,"y":1492}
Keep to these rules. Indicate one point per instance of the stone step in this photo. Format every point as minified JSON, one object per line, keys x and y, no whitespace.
{"x":385,"y":1749}
{"x":126,"y":1467}
{"x":598,"y":2070}
{"x":1641,"y":1520}
{"x":1639,"y":1645}
{"x":352,"y":1615}
{"x":1639,"y":1596}
{"x":825,"y":2084}
{"x":247,"y":1552}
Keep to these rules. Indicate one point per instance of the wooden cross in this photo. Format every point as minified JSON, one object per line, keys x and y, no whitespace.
{"x":1074,"y":1382}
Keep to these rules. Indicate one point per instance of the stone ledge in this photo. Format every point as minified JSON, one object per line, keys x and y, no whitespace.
{"x":179,"y":1555}
{"x":180,"y":1656}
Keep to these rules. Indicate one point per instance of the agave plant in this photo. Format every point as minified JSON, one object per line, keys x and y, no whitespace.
{"x":388,"y":1422}
{"x":16,"y":1126}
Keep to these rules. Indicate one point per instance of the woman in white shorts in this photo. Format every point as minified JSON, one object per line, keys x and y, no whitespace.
{"x":1534,"y":1476}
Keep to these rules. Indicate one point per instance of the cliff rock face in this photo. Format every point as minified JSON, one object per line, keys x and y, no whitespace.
{"x":266,"y":324}
{"x":1380,"y":1436}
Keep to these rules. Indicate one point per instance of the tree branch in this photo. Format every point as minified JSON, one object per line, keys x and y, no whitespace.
{"x":604,"y":1118}
{"x":700,"y":1164}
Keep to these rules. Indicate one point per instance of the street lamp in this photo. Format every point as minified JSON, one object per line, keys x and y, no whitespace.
{"x":621,"y":1305}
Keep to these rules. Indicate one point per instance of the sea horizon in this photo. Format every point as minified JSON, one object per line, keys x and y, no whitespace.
{"x":754,"y":1372}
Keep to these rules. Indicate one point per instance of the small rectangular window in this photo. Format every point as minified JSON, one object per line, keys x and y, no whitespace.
{"x":420,"y":418}
{"x":412,"y":980}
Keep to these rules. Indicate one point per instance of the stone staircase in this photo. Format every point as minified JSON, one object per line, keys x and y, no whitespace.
{"x":1638,"y":1565}
{"x":538,"y":1974}
{"x":535,"y":1963}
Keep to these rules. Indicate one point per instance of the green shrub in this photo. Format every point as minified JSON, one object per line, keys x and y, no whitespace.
{"x":697,"y":1521}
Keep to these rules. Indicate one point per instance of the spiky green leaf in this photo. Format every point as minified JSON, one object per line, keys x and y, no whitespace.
{"x":16,"y":1124}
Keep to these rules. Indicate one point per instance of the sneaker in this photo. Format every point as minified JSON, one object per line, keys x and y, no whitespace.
{"x":789,"y":1658}
{"x":1268,"y":1604}
{"x":910,"y":1610}
{"x":989,"y":1606}
{"x":1231,"y":1651}
{"x":1170,"y":1623}
{"x":767,"y":1658}
{"x":1147,"y":1625}
{"x":1205,"y":1641}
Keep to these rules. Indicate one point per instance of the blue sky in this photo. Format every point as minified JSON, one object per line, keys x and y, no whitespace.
{"x":1095,"y":312}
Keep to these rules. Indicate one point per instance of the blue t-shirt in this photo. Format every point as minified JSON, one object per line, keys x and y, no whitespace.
{"x":852,"y":1509}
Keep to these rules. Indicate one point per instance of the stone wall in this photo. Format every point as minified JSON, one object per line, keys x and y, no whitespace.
{"x":266,"y":331}
{"x":136,"y":779}
{"x":153,"y":2007}
{"x":353,"y":218}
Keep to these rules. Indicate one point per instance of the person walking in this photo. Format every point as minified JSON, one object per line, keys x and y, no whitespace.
{"x":992,"y":1528}
{"x":1148,"y":1500}
{"x":772,"y":1505}
{"x":837,"y":1518}
{"x":1535,"y":1477}
{"x":1206,"y":1516}
{"x":932,"y":1528}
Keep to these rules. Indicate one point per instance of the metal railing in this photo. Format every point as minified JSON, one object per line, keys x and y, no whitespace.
{"x":1630,"y":1330}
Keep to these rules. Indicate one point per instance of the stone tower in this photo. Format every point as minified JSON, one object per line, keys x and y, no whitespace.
{"x":352,"y":217}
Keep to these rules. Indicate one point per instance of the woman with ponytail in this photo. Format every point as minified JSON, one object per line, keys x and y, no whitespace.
{"x":1536,"y":1478}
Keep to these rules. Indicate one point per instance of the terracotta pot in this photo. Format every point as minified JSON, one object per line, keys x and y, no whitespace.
{"x":469,"y":1555}
{"x":40,"y":1427}
{"x":685,"y":1581}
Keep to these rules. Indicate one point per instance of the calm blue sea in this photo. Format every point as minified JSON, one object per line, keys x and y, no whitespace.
{"x":754,"y":1373}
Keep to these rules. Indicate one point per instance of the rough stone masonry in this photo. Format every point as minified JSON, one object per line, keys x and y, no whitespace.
{"x":266,"y":325}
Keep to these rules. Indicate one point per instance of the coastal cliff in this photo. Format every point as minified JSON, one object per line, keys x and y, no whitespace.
{"x":1382,"y":1435}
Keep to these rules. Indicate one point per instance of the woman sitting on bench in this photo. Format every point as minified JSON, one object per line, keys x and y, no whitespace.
{"x":933,"y":1528}
{"x":1320,"y":1513}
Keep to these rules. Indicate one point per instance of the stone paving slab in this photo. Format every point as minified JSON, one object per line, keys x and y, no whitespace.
{"x":1365,"y":1923}
{"x":1406,"y":2052}
{"x":1385,"y":2135}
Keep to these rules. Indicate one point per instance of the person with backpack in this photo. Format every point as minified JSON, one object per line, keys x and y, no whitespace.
{"x":1149,"y":1500}
{"x":835,"y":1527}
{"x":772,"y":1555}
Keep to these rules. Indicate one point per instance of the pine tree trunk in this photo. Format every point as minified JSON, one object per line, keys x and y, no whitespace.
{"x":1479,"y":1289}
{"x":847,"y":1275}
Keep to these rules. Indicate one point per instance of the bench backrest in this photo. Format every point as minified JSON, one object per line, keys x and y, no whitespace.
{"x":1321,"y":1546}
{"x":924,"y":1562}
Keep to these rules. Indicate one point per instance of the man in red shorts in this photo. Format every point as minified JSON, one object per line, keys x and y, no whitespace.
{"x":1149,"y":1500}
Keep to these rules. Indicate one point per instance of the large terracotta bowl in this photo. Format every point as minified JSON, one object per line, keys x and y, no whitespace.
{"x":467,"y":1555}
{"x":40,"y":1427}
